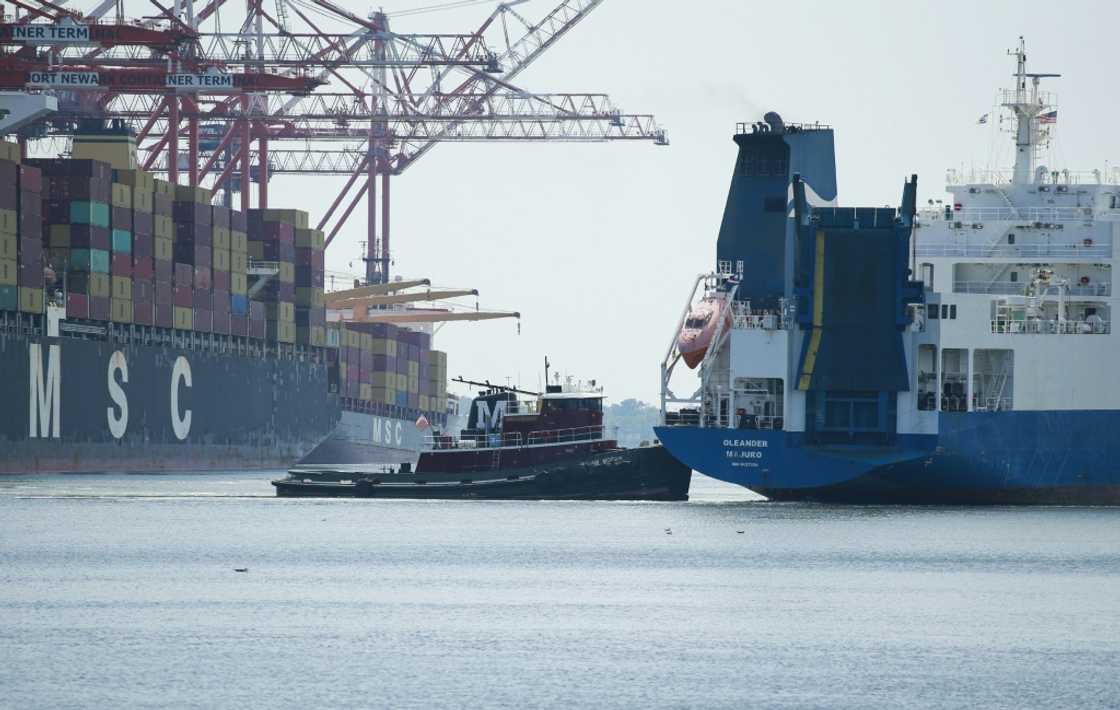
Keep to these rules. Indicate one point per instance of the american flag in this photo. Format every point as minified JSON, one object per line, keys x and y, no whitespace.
{"x":1049,"y":117}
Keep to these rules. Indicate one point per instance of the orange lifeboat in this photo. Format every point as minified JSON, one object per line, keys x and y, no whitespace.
{"x":700,"y":327}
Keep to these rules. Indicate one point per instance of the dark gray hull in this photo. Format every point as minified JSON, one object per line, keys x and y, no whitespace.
{"x":144,"y":401}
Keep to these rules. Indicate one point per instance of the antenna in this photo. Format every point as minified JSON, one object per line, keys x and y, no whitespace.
{"x":546,"y":363}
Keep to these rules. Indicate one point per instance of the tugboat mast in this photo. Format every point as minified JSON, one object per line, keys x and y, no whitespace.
{"x":1027,"y":106}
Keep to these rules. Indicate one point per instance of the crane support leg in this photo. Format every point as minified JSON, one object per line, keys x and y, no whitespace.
{"x":385,"y":227}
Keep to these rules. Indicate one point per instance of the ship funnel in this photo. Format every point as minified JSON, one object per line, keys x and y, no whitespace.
{"x":777,"y":125}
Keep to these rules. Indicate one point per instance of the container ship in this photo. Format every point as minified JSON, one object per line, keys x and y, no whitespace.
{"x":943,"y":356}
{"x":144,"y":329}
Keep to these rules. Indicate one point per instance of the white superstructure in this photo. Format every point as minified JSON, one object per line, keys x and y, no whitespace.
{"x":1023,"y":262}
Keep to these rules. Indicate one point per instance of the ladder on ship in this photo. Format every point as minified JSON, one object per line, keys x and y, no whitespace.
{"x":496,"y":459}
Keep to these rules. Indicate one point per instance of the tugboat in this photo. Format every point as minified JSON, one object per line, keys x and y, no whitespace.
{"x":551,"y":447}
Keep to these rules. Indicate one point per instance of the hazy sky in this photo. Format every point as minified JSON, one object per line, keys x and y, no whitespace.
{"x":597,"y":244}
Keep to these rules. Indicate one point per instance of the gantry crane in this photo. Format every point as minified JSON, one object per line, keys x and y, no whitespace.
{"x":317,"y":89}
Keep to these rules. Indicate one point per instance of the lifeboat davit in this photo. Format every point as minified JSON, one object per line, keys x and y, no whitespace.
{"x":699,"y":328}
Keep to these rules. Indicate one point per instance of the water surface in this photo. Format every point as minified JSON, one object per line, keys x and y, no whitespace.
{"x":120,"y":591}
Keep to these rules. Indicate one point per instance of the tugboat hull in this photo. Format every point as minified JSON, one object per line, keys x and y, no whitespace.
{"x":647,"y":473}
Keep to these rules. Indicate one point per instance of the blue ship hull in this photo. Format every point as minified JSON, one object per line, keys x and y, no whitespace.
{"x":1047,"y":457}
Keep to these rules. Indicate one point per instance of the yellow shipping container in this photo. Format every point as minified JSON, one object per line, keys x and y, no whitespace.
{"x":313,"y":238}
{"x":9,"y":151}
{"x":413,"y":385}
{"x":120,"y":310}
{"x":367,"y":341}
{"x":238,"y":262}
{"x":100,"y":285}
{"x":186,"y":193}
{"x":9,"y":222}
{"x":384,"y":395}
{"x":413,"y":369}
{"x":9,"y":246}
{"x":365,"y":392}
{"x":122,"y":289}
{"x":30,"y":299}
{"x":296,"y":218}
{"x":287,"y":272}
{"x":342,"y":370}
{"x":220,"y":259}
{"x":309,"y":296}
{"x":9,"y":272}
{"x":280,"y":311}
{"x":164,"y":248}
{"x":182,"y":318}
{"x":383,"y":346}
{"x":139,"y":180}
{"x":142,"y":200}
{"x":383,"y":379}
{"x":424,"y":403}
{"x":281,"y":331}
{"x":163,"y":227}
{"x":162,"y":187}
{"x":256,"y":250}
{"x":121,"y":195}
{"x":220,"y":238}
{"x":238,"y":241}
{"x":238,"y":283}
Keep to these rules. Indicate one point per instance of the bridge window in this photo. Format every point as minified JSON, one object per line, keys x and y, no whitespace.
{"x":993,"y":380}
{"x":954,"y":380}
{"x":927,"y":378}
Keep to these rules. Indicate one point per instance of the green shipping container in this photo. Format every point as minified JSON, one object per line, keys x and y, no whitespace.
{"x":9,"y":298}
{"x":122,"y":241}
{"x":92,"y":260}
{"x":95,"y":213}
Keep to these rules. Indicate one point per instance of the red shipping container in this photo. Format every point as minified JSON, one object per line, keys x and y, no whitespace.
{"x":30,"y":179}
{"x":202,"y":298}
{"x":143,"y":290}
{"x":202,"y":278}
{"x":143,"y":246}
{"x":143,"y":312}
{"x":30,"y":248}
{"x":256,"y":328}
{"x":164,"y":271}
{"x":31,"y":226}
{"x":256,"y":311}
{"x":31,"y":275}
{"x":161,"y":205}
{"x":239,"y":325}
{"x":203,"y":320}
{"x":165,"y":294}
{"x":220,"y":280}
{"x":220,"y":301}
{"x":121,"y":218}
{"x":98,"y":308}
{"x":184,"y":274}
{"x":165,"y":315}
{"x":77,"y":305}
{"x":142,"y":223}
{"x":183,"y":297}
{"x":122,"y":264}
{"x":143,"y":268}
{"x":238,"y":221}
{"x":221,"y":323}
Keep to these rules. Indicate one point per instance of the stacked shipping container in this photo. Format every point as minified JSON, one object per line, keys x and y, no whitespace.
{"x":125,"y":247}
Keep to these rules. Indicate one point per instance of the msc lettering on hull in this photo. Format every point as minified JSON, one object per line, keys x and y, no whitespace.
{"x":44,"y":397}
{"x":386,"y":431}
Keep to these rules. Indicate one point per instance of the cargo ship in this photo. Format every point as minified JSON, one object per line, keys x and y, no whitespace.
{"x":550,"y":447}
{"x":944,"y":356}
{"x":143,"y":328}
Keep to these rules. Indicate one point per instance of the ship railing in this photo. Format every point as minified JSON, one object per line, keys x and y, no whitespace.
{"x":760,"y":421}
{"x":1033,"y":215}
{"x":1019,"y":288}
{"x":1004,"y":177}
{"x":494,"y":440}
{"x":1029,"y":251}
{"x":558,"y":436}
{"x":992,"y":404}
{"x":744,"y":318}
{"x":1051,"y":327}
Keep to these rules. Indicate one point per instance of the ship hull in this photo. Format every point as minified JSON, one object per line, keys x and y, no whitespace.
{"x":648,"y":473}
{"x":367,"y":439}
{"x":72,"y":405}
{"x":979,"y":458}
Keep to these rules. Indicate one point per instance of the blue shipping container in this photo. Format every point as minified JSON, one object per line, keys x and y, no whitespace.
{"x":95,"y":213}
{"x":238,"y":304}
{"x":92,"y":260}
{"x":122,"y":241}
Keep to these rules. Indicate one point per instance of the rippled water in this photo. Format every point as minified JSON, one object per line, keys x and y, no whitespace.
{"x":120,"y":591}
